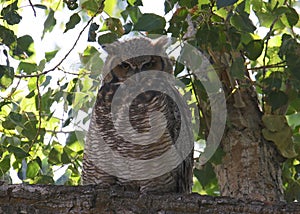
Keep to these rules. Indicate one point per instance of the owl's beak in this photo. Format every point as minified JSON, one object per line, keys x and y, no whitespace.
{"x":136,"y":71}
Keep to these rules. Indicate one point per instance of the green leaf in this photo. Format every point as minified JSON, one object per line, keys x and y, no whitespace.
{"x":274,"y":123}
{"x":10,"y":14}
{"x":114,"y":25}
{"x":64,"y":178}
{"x":72,"y":5}
{"x":7,"y":36}
{"x":151,"y":23}
{"x":242,"y":22}
{"x":205,"y":175}
{"x":6,"y":76}
{"x":12,"y":18}
{"x":44,"y":179}
{"x":224,"y":3}
{"x":293,"y":120}
{"x":292,"y":17}
{"x":55,"y":154}
{"x":277,"y":99}
{"x":237,"y":69}
{"x":92,"y":32}
{"x":135,"y":2}
{"x":50,"y":55}
{"x":254,"y":49}
{"x":92,"y":6}
{"x":133,"y":12}
{"x":127,"y":28}
{"x":27,"y":67}
{"x":188,"y":3}
{"x":169,"y":5}
{"x":30,"y":128}
{"x":74,"y":20}
{"x":40,"y":6}
{"x":49,"y":23}
{"x":22,"y":49}
{"x":4,"y":165}
{"x":18,"y":152}
{"x":107,"y":38}
{"x":32,"y":169}
{"x":16,"y":118}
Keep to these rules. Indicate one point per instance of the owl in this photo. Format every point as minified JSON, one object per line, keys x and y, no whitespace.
{"x":139,"y":135}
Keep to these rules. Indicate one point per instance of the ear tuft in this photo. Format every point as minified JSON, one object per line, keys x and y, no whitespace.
{"x":111,"y":48}
{"x":162,"y":43}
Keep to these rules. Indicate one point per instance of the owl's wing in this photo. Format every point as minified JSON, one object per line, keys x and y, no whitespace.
{"x":183,"y":139}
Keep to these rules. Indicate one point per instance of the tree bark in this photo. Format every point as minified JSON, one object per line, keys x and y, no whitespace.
{"x":251,"y":167}
{"x":92,"y":199}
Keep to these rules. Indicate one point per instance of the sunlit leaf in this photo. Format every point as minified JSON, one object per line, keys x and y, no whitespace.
{"x":135,"y":2}
{"x":110,"y":7}
{"x":293,"y":120}
{"x":50,"y":55}
{"x":27,"y":67}
{"x":32,"y":169}
{"x":55,"y":154}
{"x":4,"y":165}
{"x":6,"y":76}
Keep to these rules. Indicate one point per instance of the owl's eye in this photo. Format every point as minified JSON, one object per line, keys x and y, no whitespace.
{"x":125,"y":65}
{"x":148,"y":65}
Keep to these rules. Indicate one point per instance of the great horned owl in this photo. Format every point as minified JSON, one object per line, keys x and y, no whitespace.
{"x":130,"y":143}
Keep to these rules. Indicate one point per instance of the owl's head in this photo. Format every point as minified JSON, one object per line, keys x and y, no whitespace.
{"x":136,"y":55}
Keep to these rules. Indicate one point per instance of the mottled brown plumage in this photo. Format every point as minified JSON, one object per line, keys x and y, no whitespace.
{"x":156,"y":123}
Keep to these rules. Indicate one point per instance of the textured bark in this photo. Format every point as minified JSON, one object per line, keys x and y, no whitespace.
{"x":251,"y":165}
{"x":91,"y":199}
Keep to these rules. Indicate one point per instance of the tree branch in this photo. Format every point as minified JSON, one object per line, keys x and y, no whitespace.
{"x":93,"y":199}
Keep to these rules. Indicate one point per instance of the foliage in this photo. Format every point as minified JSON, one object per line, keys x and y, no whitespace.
{"x":37,"y":137}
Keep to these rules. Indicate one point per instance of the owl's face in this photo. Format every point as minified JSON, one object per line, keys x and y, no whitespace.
{"x":136,"y":65}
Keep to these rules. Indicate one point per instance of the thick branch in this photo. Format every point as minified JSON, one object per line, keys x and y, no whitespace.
{"x":92,"y":199}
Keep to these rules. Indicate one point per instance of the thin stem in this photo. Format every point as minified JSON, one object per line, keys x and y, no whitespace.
{"x":67,"y":54}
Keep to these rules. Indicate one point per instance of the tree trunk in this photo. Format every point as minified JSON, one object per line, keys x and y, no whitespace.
{"x":91,"y":199}
{"x":251,"y":166}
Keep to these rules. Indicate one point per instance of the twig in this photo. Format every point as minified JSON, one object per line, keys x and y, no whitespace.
{"x":39,"y":103}
{"x":277,"y":65}
{"x":59,"y":132}
{"x":32,"y":6}
{"x":67,"y":54}
{"x":267,"y":38}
